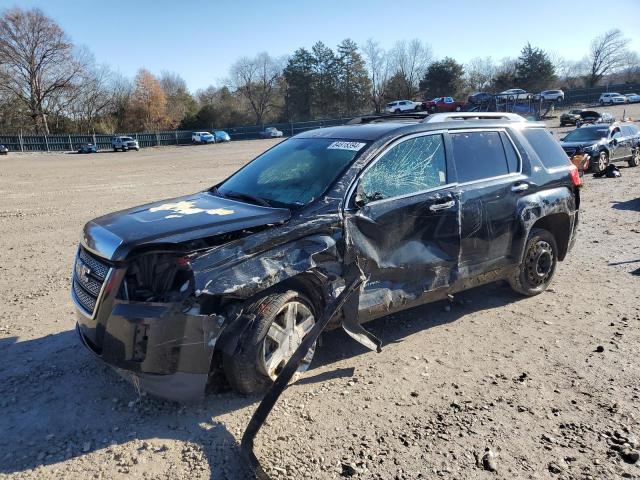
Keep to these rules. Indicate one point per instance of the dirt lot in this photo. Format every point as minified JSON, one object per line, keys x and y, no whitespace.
{"x":521,"y":377}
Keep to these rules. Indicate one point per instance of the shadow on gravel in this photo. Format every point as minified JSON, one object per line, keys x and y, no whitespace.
{"x":633,"y":205}
{"x":337,"y":345}
{"x":59,"y":402}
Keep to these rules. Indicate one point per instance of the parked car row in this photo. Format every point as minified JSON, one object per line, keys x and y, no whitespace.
{"x":217,"y":136}
{"x":613,"y":98}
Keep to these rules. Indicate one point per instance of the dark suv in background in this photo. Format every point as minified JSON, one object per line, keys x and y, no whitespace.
{"x":226,"y":283}
{"x":595,"y":146}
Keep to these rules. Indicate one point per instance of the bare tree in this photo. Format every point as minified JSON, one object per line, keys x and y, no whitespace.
{"x":180,"y":103}
{"x":380,"y":69}
{"x":36,"y":61}
{"x":631,"y":67}
{"x":93,"y":94}
{"x":258,"y":80}
{"x":479,"y":73}
{"x":570,"y":72}
{"x":607,"y":54}
{"x":411,"y":60}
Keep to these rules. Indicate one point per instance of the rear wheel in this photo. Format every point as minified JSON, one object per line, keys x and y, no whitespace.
{"x":458,"y":108}
{"x":538,"y":264}
{"x":600,"y":163}
{"x":397,"y":110}
{"x":282,"y":321}
{"x":634,"y":161}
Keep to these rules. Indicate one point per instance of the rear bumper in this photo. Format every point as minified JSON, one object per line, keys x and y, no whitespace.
{"x":157,"y":347}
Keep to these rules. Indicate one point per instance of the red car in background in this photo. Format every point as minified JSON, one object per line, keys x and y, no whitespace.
{"x":443,"y":104}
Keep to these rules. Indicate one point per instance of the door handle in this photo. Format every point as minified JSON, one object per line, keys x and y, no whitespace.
{"x":520,"y":187}
{"x":442,"y":206}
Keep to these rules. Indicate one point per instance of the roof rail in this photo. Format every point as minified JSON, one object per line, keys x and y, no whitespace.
{"x":387,"y":117}
{"x":444,"y":117}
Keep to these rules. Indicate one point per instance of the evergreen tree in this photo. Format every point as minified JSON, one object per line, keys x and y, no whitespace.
{"x":325,"y":85}
{"x":298,"y":75}
{"x":443,"y":78}
{"x":534,"y":69}
{"x":353,"y":81}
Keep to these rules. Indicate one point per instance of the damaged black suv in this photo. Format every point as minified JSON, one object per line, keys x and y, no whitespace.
{"x":223,"y":285}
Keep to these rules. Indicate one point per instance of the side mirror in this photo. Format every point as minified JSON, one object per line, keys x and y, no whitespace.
{"x":614,"y":142}
{"x":360,"y":199}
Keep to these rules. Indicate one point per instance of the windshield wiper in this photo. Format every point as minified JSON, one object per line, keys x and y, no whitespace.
{"x":244,"y":196}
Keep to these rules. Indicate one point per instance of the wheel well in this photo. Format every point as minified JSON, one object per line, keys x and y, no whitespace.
{"x":310,"y":286}
{"x":560,"y":227}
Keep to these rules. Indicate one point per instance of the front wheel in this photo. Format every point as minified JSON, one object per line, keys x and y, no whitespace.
{"x":538,"y":264}
{"x":458,"y":108}
{"x":282,"y":321}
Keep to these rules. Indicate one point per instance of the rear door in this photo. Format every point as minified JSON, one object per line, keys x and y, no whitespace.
{"x":619,"y":146}
{"x":404,"y":236}
{"x":488,"y":169}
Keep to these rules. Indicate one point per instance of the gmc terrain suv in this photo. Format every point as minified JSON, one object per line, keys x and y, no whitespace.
{"x":226,"y":283}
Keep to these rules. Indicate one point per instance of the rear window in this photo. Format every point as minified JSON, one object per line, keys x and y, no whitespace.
{"x":479,"y":155}
{"x":548,"y":149}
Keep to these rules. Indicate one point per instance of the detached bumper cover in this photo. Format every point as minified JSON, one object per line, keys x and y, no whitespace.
{"x":159,"y":348}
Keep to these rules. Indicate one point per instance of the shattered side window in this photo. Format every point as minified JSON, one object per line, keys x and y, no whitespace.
{"x":412,"y":166}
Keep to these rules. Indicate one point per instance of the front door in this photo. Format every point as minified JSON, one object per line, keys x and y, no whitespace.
{"x":402,"y":226}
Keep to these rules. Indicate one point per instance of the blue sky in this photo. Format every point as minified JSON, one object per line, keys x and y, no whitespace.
{"x":200,"y":40}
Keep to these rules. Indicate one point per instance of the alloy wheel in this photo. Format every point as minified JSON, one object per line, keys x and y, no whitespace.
{"x":293,"y":322}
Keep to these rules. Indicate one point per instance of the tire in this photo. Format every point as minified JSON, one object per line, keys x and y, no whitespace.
{"x":634,"y":161}
{"x":458,"y":108}
{"x":600,"y":163}
{"x":397,"y":110}
{"x":538,"y":266}
{"x":562,"y":124}
{"x":259,"y":358}
{"x":115,"y":149}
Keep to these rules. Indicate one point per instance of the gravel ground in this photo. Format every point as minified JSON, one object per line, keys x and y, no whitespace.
{"x":543,"y":387}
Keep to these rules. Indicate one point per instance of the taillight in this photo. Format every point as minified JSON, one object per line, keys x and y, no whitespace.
{"x":575,"y":176}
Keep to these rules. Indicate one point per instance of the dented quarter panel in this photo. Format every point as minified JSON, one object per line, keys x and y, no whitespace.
{"x":545,"y":202}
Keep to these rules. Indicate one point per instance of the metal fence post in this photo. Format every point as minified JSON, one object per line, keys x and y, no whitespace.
{"x":157,"y":139}
{"x":70,"y":144}
{"x":21,"y":142}
{"x":46,"y":141}
{"x":176,"y":132}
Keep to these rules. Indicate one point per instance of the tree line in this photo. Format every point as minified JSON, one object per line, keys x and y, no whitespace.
{"x":49,"y":85}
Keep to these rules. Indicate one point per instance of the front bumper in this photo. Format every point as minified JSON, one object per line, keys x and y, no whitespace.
{"x":158,"y":347}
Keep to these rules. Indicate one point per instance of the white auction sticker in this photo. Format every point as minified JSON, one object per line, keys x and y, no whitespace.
{"x":354,"y":146}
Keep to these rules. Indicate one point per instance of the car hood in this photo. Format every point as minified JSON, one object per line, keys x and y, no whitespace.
{"x":173,"y":221}
{"x":579,"y":145}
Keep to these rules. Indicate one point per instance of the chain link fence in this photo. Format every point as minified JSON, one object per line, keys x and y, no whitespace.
{"x":70,"y":143}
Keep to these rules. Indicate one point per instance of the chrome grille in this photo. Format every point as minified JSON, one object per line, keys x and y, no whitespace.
{"x":89,"y":275}
{"x":99,"y":269}
{"x":85,"y":299}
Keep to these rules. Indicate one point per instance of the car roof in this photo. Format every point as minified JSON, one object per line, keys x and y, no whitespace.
{"x":402,"y":126}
